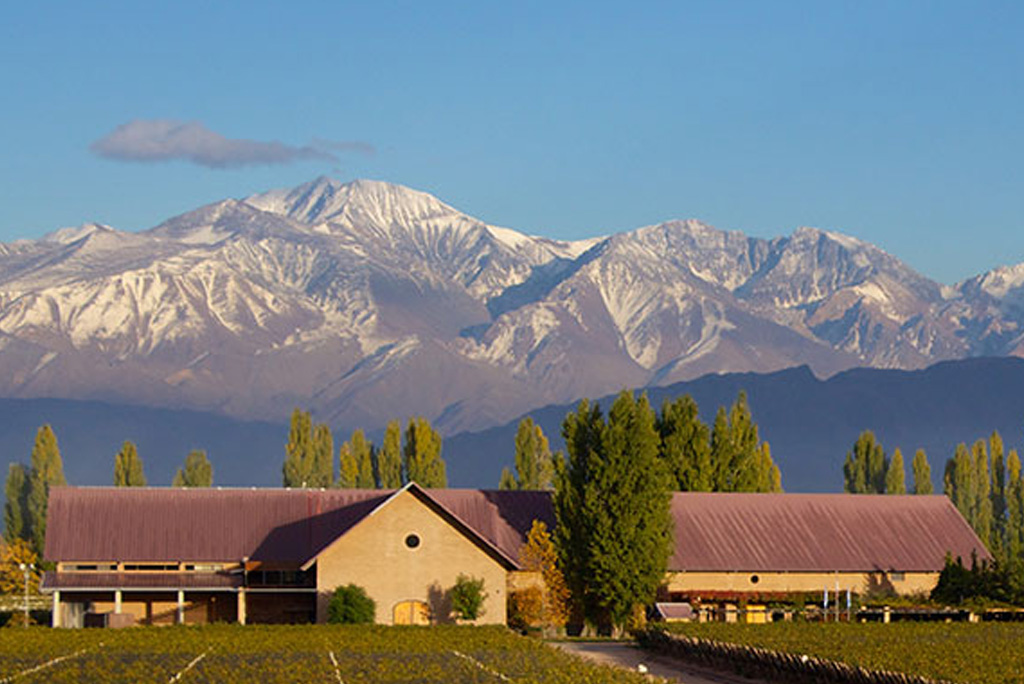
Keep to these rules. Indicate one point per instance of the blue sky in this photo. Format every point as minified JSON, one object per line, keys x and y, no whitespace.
{"x":901,"y":123}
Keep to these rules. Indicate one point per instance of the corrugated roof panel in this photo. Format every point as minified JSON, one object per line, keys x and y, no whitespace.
{"x":817,"y":532}
{"x":713,"y":532}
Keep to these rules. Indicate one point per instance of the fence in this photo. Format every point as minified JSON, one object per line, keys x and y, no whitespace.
{"x":751,"y":661}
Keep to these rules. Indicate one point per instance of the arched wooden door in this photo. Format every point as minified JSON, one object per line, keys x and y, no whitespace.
{"x":411,"y":613}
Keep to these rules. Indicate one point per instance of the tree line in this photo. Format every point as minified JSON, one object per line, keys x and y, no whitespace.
{"x":612,"y":495}
{"x":985,"y":483}
{"x":27,"y":488}
{"x":412,"y":455}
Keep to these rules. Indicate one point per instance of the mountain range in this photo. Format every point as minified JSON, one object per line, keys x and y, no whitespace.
{"x":366,"y":301}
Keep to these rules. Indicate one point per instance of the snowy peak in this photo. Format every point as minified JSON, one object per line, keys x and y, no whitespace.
{"x":66,"y":236}
{"x":326,"y":200}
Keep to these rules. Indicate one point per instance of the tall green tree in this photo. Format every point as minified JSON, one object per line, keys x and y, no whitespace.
{"x":997,"y":471}
{"x":922,"y":473}
{"x":865,"y":467}
{"x":47,"y":471}
{"x":355,"y":464}
{"x":533,"y":459}
{"x":16,"y":502}
{"x":981,"y":506}
{"x":1014,"y":506}
{"x":577,"y":502}
{"x":297,"y":470}
{"x":968,"y":485}
{"x":422,"y":462}
{"x":740,"y":462}
{"x":128,"y":471}
{"x":198,"y":471}
{"x":388,"y":459}
{"x":958,"y":480}
{"x":322,"y":468}
{"x":612,"y":502}
{"x":895,"y":477}
{"x":685,"y":446}
{"x":768,"y":475}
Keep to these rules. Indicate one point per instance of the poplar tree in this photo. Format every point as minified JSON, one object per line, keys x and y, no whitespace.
{"x":685,"y":447}
{"x":348,"y":469}
{"x":355,"y":465}
{"x":422,"y":462}
{"x":297,"y":470}
{"x":322,"y":468}
{"x":982,"y":494}
{"x":533,"y":459}
{"x":895,"y":477}
{"x":1014,"y":506}
{"x":958,"y":482}
{"x":997,"y":469}
{"x":721,"y":451}
{"x":865,"y":467}
{"x":16,"y":502}
{"x":128,"y":470}
{"x":47,"y":471}
{"x":769,"y":477}
{"x":388,"y":459}
{"x":922,"y":473}
{"x":577,"y":503}
{"x":740,"y":463}
{"x":198,"y":471}
{"x":612,"y":498}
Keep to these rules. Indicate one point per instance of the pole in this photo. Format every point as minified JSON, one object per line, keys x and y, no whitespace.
{"x":26,"y":570}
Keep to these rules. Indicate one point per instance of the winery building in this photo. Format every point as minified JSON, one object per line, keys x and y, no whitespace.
{"x":165,"y":556}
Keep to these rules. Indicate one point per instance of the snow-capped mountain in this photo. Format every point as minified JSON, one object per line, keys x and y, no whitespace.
{"x":366,"y":301}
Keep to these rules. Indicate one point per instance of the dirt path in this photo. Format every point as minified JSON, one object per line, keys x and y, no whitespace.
{"x":629,"y":656}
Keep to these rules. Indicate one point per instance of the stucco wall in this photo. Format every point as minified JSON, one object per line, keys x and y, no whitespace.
{"x":858,"y":582}
{"x":374,"y":555}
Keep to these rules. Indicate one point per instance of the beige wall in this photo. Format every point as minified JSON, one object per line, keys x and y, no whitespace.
{"x":785,"y":582}
{"x":373,"y":555}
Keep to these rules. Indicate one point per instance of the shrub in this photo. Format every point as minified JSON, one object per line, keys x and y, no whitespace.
{"x":525,"y":608}
{"x":468,"y":597}
{"x":351,"y":606}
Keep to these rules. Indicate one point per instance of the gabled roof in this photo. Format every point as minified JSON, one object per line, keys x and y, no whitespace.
{"x":286,"y":526}
{"x":818,"y":533}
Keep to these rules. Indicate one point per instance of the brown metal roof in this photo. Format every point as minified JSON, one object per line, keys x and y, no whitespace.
{"x":713,"y":532}
{"x":140,"y":580}
{"x":137,"y":524}
{"x":818,"y":532}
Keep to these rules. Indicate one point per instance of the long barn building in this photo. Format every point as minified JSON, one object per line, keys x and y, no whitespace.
{"x":163,"y":556}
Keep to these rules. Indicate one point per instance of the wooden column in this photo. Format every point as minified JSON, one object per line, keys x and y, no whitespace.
{"x":241,"y":606}
{"x":117,"y":600}
{"x":55,"y":616}
{"x":181,"y":607}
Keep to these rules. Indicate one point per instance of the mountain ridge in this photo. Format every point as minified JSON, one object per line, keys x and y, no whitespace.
{"x":367,"y":301}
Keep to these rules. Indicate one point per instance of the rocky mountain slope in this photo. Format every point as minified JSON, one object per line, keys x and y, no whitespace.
{"x":366,"y":301}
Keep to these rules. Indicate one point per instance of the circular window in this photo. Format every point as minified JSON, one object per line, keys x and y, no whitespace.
{"x":412,"y":541}
{"x":754,"y":579}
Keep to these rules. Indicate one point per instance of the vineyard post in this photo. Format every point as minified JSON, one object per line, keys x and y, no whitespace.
{"x":26,"y":570}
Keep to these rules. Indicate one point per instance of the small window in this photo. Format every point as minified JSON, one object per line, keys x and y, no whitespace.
{"x":896,"y":577}
{"x":754,"y":579}
{"x":412,"y":541}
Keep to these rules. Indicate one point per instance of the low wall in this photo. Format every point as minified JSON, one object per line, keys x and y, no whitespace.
{"x":761,"y":663}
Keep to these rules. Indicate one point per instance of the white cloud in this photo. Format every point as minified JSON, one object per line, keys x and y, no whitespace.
{"x":158,"y":140}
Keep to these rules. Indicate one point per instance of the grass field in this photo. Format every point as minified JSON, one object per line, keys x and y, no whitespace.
{"x":985,"y":653}
{"x":347,"y":655}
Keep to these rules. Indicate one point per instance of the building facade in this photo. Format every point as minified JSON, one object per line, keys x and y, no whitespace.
{"x":172,"y":556}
